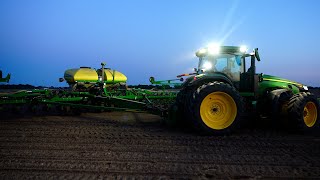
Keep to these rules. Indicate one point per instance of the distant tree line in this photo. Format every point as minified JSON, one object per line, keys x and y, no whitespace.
{"x":315,"y":90}
{"x":27,"y":86}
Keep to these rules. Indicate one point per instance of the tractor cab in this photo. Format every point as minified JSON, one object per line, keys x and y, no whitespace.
{"x":229,"y":62}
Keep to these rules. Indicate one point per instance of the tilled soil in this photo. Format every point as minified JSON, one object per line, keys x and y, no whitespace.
{"x":128,"y":145}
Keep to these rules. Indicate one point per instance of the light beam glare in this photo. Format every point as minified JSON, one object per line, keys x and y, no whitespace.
{"x":232,"y":29}
{"x":228,"y":18}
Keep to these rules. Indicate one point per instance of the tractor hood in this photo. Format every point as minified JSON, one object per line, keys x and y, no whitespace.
{"x":273,"y":82}
{"x":281,"y":80}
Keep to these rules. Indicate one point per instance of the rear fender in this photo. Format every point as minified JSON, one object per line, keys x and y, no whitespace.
{"x":197,"y":81}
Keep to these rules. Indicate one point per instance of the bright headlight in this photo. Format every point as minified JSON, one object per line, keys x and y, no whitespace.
{"x":203,"y":51}
{"x":213,"y":49}
{"x":207,"y":66}
{"x":243,"y":49}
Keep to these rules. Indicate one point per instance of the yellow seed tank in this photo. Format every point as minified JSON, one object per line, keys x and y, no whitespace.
{"x":86,"y":74}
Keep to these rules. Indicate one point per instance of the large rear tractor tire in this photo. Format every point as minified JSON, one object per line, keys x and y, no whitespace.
{"x":215,"y":108}
{"x":303,"y":111}
{"x":177,"y":115}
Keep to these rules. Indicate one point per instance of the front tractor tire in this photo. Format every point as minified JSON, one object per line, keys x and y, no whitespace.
{"x":303,"y":111}
{"x":215,"y":108}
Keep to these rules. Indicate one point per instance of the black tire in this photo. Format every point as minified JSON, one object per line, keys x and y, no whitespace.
{"x":174,"y":116}
{"x":203,"y":119}
{"x":303,"y":112}
{"x":278,"y":105}
{"x":180,"y":109}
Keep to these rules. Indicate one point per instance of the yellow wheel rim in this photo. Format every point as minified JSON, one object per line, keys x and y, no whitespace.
{"x":310,"y":114}
{"x":218,"y":110}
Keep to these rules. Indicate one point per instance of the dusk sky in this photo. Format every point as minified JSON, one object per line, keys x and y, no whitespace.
{"x":40,"y":39}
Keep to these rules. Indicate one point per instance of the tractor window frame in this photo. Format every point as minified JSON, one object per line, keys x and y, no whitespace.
{"x":233,"y":65}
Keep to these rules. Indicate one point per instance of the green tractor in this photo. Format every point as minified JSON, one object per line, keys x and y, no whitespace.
{"x":223,"y":89}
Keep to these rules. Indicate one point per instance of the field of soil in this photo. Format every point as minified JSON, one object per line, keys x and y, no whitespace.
{"x":127,"y":145}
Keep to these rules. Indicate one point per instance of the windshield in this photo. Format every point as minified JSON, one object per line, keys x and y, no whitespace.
{"x":229,"y":64}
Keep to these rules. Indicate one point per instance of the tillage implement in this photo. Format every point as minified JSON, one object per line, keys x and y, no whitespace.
{"x":214,"y":99}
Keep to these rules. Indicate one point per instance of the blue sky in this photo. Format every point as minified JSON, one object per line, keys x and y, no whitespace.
{"x":40,"y":39}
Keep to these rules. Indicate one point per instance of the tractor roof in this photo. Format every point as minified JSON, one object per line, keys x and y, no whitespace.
{"x":214,"y":50}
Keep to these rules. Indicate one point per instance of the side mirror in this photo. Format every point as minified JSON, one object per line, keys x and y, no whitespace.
{"x":256,"y":54}
{"x":195,"y":69}
{"x":61,"y":79}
